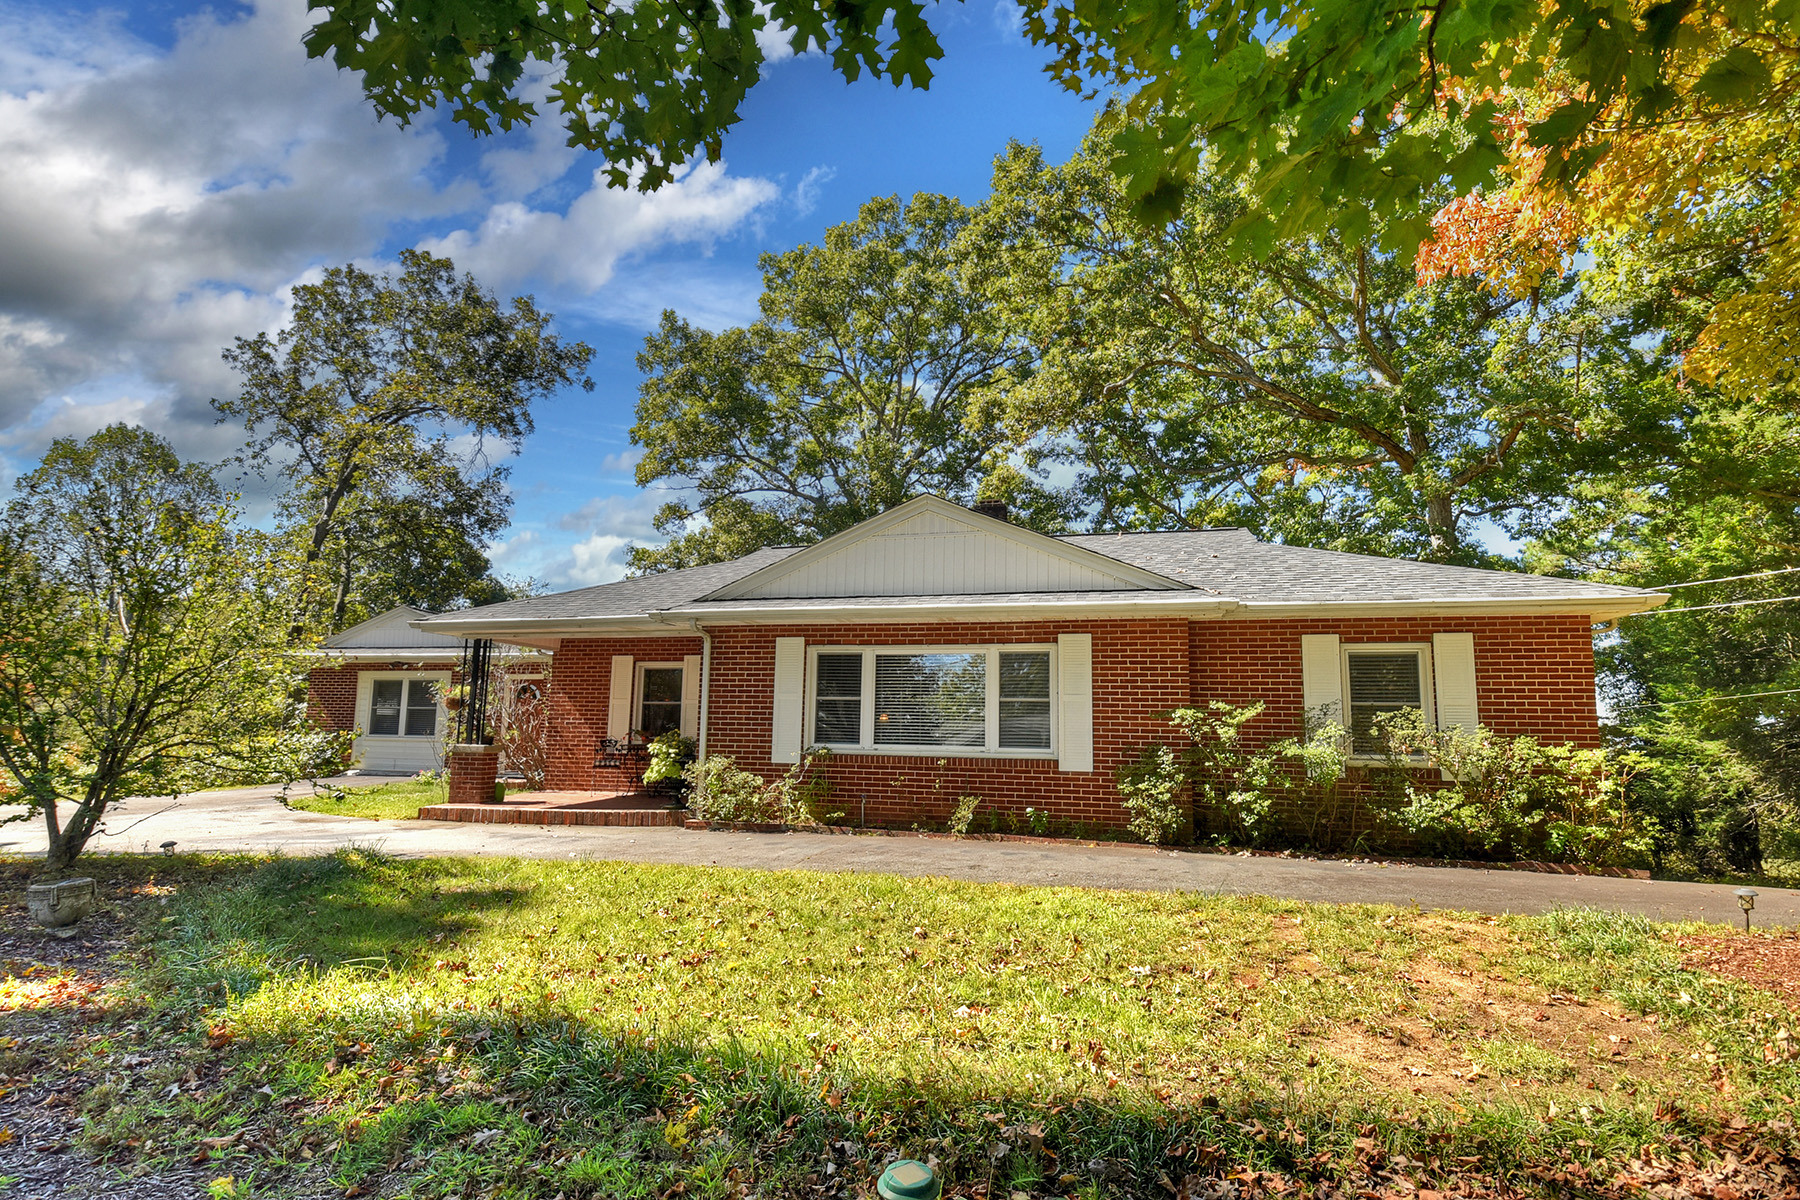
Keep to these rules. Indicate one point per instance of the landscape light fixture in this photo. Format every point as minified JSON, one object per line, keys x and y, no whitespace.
{"x":909,"y":1180}
{"x":1746,"y":901}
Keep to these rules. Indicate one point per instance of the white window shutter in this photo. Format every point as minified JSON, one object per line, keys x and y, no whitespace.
{"x":1321,"y":680}
{"x":790,"y":690}
{"x":1075,"y":701}
{"x":618,"y":706}
{"x":690,"y":696}
{"x":1453,"y":679}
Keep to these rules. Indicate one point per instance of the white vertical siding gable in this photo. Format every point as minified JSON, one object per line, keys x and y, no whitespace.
{"x":935,"y":553}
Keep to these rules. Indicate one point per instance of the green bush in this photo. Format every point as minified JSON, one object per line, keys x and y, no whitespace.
{"x":670,"y":754}
{"x":1509,"y":797}
{"x":1448,"y":792}
{"x":720,"y":790}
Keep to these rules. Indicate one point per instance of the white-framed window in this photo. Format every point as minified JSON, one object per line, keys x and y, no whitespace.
{"x":659,"y":695}
{"x":959,"y":701}
{"x":403,"y":706}
{"x":1383,"y":677}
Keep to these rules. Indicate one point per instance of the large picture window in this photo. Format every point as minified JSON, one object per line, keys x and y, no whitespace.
{"x":1379,"y":680}
{"x":403,"y":707}
{"x":951,"y":699}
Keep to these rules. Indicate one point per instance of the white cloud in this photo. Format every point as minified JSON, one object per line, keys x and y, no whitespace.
{"x":581,"y":247}
{"x":806,"y":192}
{"x":631,"y":514}
{"x":1009,"y":20}
{"x":624,"y":462}
{"x":601,"y":558}
{"x":158,"y":202}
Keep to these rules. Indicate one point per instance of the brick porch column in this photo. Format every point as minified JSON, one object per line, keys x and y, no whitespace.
{"x":473,"y":770}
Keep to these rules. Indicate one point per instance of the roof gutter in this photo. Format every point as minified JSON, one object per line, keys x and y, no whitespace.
{"x":946,"y":609}
{"x":1597,"y":607}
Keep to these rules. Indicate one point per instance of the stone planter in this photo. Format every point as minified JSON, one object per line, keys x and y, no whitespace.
{"x":57,"y":905}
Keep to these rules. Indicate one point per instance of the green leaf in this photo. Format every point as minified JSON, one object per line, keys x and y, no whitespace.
{"x":1740,"y":75}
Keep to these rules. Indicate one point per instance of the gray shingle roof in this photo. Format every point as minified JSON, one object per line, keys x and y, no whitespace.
{"x":1227,"y":565}
{"x":628,"y":597}
{"x":1234,"y":563}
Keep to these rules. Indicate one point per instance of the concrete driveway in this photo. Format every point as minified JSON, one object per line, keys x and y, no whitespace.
{"x":254,"y":819}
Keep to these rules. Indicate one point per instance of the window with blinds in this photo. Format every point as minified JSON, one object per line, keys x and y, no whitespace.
{"x":930,"y":699}
{"x":1024,"y":700}
{"x":1380,"y":682}
{"x":837,"y":700}
{"x":967,"y":699}
{"x":403,"y":707}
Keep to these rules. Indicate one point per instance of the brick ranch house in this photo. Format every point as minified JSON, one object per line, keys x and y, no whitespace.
{"x":941,"y":651}
{"x":386,"y":680}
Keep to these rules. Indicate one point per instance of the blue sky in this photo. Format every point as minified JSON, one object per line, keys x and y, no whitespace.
{"x":173,"y":169}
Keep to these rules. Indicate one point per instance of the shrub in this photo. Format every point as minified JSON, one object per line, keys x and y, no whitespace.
{"x":720,"y":790}
{"x":1451,"y":792}
{"x":670,"y":753}
{"x":962,"y":816}
{"x":1509,"y":797}
{"x":1153,"y":787}
{"x":1231,"y":783}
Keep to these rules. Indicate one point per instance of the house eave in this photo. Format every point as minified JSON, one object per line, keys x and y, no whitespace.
{"x":545,"y":632}
{"x":1599,"y":608}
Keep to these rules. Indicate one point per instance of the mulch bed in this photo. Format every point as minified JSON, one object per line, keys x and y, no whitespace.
{"x":1770,"y":961}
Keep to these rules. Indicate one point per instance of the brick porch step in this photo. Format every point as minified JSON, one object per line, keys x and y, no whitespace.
{"x":562,"y":808}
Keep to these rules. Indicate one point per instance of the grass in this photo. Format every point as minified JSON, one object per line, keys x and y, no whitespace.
{"x":526,"y":1028}
{"x":397,"y":801}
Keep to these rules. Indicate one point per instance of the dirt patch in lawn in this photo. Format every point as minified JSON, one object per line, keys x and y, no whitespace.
{"x":1474,"y":1032}
{"x":1770,"y":961}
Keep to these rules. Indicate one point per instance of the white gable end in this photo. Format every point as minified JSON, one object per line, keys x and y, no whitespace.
{"x":930,"y":547}
{"x":392,"y":630}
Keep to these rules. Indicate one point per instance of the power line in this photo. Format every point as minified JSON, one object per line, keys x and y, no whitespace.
{"x":1663,"y":587}
{"x":1651,"y":612}
{"x":1709,"y":699}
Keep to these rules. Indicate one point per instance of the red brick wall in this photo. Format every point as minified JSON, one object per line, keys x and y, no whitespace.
{"x":331,"y":691}
{"x":580,"y":691}
{"x":1533,"y":675}
{"x":1140,"y":672}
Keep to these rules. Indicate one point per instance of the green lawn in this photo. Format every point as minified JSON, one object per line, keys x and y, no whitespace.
{"x":498,"y":1027}
{"x":397,"y":801}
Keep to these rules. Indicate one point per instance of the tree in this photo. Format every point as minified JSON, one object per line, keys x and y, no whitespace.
{"x":138,"y":652}
{"x":648,"y":84}
{"x":376,"y":404}
{"x":1319,"y":394}
{"x":1331,"y":109}
{"x":1707,"y":199}
{"x":849,"y":396}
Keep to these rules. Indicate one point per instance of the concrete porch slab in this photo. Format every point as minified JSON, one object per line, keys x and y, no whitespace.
{"x":628,"y":809}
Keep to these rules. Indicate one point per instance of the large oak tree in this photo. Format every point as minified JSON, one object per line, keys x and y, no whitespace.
{"x":377,"y":406}
{"x":851,"y":394}
{"x":1320,"y":394}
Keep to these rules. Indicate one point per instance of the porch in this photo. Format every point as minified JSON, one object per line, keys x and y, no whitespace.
{"x":632,"y":808}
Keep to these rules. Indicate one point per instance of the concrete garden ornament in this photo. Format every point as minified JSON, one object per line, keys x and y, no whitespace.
{"x":60,"y":905}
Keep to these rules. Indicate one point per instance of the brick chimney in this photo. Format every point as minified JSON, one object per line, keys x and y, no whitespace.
{"x":991,"y":508}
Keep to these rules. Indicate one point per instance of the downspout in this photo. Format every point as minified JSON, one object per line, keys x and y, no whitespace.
{"x":705,"y":687}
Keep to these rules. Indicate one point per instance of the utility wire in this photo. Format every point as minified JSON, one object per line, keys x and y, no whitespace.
{"x":1651,"y":612}
{"x":1709,"y":699}
{"x":1663,"y":587}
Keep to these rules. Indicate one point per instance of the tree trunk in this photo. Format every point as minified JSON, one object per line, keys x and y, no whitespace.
{"x":1440,"y":527}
